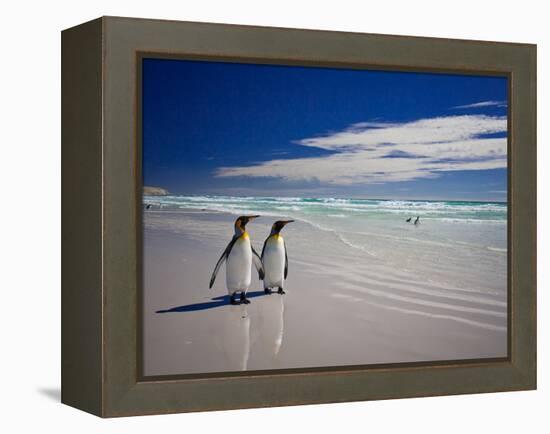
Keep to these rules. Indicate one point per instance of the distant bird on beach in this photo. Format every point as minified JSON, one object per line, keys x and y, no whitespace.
{"x":417,"y":221}
{"x":408,"y":220}
{"x":239,"y":255}
{"x":275,"y":259}
{"x":148,"y":206}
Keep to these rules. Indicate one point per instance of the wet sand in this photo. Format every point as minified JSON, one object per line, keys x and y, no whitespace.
{"x":342,"y":307}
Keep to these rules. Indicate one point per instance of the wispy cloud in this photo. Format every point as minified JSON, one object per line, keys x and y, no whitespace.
{"x":482,"y":104}
{"x":374,"y":153}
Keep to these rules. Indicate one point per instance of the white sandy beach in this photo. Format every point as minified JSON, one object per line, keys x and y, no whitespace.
{"x":344,"y":305}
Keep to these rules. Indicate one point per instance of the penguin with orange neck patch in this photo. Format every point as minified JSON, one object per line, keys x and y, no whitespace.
{"x":239,"y":255}
{"x":275,"y":258}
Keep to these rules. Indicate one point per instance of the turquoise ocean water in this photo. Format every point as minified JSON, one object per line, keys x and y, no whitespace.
{"x":444,"y":211}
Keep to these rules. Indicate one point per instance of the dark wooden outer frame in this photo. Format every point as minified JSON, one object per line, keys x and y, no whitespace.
{"x":101,"y":193}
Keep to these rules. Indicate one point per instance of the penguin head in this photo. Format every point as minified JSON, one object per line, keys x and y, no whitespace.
{"x":240,"y":223}
{"x":278,"y":225}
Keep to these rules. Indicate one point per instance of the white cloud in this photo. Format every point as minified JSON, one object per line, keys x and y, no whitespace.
{"x":389,"y":152}
{"x":483,"y":104}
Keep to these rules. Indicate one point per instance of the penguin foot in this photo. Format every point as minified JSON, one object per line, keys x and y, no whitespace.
{"x":244,"y":299}
{"x":281,"y":291}
{"x":233,"y":300}
{"x":267,"y":291}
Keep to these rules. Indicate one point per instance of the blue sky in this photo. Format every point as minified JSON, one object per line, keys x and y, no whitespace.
{"x":241,"y":129}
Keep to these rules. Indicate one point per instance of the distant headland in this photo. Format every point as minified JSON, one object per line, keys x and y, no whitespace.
{"x":155,"y":191}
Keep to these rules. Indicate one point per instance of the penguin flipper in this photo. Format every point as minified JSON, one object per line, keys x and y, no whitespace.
{"x":223,"y":257}
{"x":286,"y":262}
{"x":258,"y":263}
{"x":263,"y":249}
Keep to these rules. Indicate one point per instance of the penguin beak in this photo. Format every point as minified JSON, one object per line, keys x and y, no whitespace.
{"x":248,"y":218}
{"x":283,"y":223}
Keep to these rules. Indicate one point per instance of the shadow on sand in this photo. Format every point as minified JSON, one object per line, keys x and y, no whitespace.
{"x":219,"y":301}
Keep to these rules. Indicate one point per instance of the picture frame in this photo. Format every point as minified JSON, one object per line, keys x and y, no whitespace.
{"x":101,"y":216}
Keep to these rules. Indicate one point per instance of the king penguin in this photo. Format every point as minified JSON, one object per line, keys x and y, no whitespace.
{"x":239,"y":255}
{"x":275,"y":259}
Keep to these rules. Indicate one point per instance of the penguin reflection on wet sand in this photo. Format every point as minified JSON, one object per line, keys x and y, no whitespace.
{"x":239,"y":255}
{"x":275,"y":259}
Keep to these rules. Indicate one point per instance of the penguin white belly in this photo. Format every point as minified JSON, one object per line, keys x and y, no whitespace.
{"x":239,"y":266}
{"x":274,"y":262}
